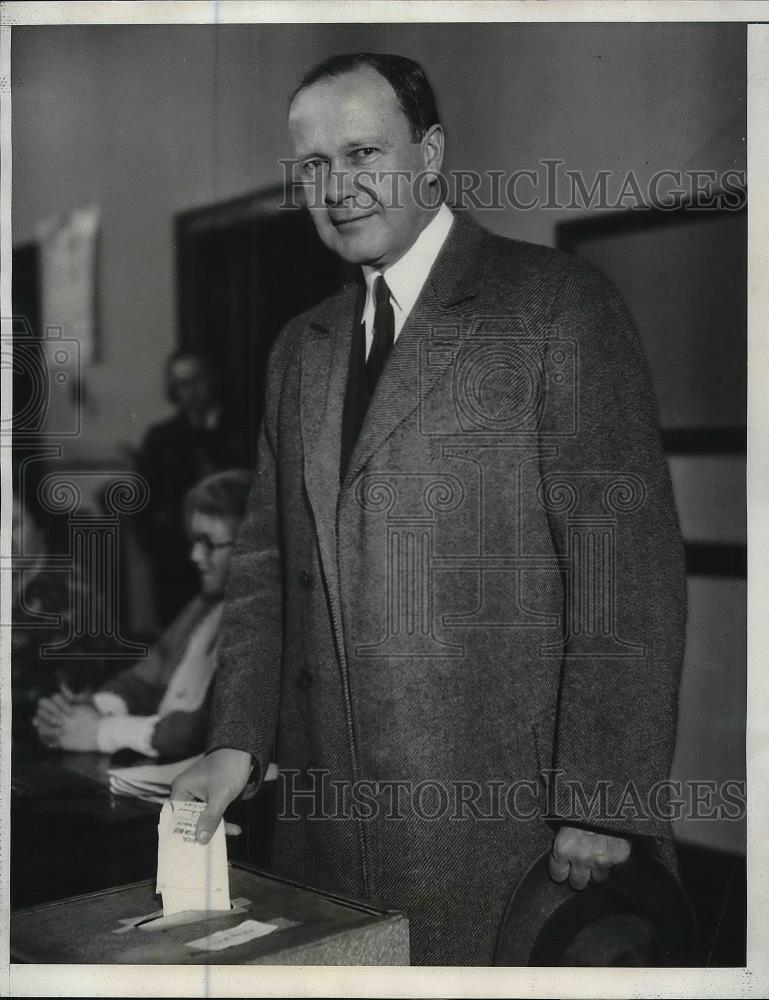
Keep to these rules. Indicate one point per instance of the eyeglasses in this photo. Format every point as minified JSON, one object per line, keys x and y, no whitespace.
{"x":207,"y":545}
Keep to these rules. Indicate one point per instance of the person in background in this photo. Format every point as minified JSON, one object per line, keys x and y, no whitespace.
{"x":198,"y":440}
{"x":159,"y":707}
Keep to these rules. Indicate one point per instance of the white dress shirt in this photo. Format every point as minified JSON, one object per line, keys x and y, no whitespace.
{"x":406,"y":277}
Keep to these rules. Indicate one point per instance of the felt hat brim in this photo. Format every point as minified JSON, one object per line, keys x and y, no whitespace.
{"x":639,"y":916}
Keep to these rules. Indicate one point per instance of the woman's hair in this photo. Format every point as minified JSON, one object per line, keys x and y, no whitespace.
{"x":223,"y":494}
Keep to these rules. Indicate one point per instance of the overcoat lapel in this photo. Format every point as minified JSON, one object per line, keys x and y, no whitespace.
{"x":325,"y":358}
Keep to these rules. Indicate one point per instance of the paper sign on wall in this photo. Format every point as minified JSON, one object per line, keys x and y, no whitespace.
{"x":68,"y":276}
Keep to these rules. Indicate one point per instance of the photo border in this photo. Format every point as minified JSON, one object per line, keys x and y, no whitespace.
{"x":136,"y":981}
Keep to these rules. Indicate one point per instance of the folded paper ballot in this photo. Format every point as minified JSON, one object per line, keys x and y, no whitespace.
{"x":191,"y":876}
{"x":152,"y":782}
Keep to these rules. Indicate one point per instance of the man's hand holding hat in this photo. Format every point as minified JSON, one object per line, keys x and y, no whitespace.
{"x":580,"y":855}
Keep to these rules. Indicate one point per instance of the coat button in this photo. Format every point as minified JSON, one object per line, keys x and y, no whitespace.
{"x":305,"y":578}
{"x":304,"y":680}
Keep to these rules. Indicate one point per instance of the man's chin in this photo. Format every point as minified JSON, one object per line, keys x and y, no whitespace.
{"x":355,"y":244}
{"x":355,"y":251}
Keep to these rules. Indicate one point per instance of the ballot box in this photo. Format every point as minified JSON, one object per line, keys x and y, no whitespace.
{"x":272,"y":922}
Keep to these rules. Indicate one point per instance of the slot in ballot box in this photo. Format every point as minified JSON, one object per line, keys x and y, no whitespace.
{"x":123,"y":926}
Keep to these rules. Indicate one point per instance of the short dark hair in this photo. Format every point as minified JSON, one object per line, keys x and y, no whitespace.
{"x":406,"y":77}
{"x":222,"y":494}
{"x":181,"y":354}
{"x":209,"y":370}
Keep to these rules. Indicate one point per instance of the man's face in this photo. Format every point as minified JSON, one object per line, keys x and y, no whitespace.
{"x":190,"y":384}
{"x":357,"y":160}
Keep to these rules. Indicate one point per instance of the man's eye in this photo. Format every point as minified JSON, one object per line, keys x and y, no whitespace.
{"x":310,"y":167}
{"x":365,"y":153}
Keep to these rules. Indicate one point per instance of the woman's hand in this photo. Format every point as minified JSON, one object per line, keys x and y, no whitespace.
{"x":74,"y":730}
{"x":53,"y":717}
{"x":49,"y":718}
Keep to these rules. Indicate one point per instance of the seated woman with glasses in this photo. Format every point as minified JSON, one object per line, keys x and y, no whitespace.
{"x":159,"y":706}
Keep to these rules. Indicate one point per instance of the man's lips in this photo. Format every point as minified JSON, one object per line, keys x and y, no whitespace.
{"x":346,"y":220}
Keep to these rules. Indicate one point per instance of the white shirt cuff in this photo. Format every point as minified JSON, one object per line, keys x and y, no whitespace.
{"x":109,"y":703}
{"x":127,"y":732}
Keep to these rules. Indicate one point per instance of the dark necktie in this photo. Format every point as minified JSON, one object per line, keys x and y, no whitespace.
{"x":363,"y":375}
{"x":384,"y":333}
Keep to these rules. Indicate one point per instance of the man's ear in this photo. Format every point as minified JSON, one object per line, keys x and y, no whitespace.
{"x":432,"y":149}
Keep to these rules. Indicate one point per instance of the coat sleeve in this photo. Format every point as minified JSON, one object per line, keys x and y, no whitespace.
{"x":609,"y":502}
{"x":181,"y":734}
{"x":246,"y":686}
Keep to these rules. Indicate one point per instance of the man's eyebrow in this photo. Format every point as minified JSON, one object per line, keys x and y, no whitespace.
{"x":370,"y":140}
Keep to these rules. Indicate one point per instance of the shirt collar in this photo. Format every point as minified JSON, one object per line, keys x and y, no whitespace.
{"x":406,"y":277}
{"x":209,"y":421}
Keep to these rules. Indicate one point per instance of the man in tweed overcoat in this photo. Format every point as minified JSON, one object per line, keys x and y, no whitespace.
{"x":471,"y":590}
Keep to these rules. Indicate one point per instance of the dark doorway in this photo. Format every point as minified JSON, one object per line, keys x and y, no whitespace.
{"x":244,"y":268}
{"x":25,"y":294}
{"x":31,"y":380}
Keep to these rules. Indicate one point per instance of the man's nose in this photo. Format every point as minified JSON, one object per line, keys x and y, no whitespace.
{"x":338,"y":187}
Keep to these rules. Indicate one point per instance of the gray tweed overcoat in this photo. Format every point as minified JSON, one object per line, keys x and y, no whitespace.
{"x":491,"y":602}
